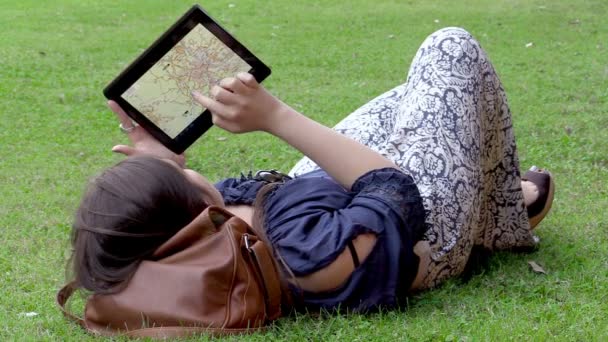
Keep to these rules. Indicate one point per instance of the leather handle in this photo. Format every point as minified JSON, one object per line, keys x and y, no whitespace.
{"x":62,"y":298}
{"x":267,"y":275}
{"x":164,"y":333}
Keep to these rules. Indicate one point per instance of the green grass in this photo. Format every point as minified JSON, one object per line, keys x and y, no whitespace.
{"x":328,"y":57}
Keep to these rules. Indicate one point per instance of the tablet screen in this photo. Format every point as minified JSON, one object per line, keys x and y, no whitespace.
{"x":197,"y":62}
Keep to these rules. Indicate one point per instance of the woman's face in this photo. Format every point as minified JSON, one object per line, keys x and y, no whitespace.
{"x":211,"y":195}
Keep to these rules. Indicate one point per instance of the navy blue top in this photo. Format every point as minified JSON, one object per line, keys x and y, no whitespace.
{"x":311,"y":218}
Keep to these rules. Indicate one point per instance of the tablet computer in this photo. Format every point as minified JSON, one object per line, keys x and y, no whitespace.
{"x":194,"y":54}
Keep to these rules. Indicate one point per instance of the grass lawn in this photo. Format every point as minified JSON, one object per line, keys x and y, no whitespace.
{"x":328,"y":57}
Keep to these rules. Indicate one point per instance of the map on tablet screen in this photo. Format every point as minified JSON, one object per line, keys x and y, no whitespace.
{"x":197,"y":62}
{"x":195,"y":53}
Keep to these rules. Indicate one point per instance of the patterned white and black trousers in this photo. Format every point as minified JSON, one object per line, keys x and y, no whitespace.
{"x":449,"y":127}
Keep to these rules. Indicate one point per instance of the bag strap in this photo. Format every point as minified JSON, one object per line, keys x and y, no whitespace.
{"x":267,"y":275}
{"x":63,"y":295}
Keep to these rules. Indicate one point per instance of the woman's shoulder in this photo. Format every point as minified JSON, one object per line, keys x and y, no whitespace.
{"x":315,"y":189}
{"x":239,"y":190}
{"x":244,"y":189}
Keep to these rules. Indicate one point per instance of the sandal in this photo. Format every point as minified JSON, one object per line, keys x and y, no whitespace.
{"x":546,"y":190}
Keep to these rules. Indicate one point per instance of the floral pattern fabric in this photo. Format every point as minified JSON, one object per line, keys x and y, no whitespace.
{"x":449,"y":127}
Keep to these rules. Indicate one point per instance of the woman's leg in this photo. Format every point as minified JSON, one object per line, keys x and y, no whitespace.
{"x":455,"y":137}
{"x":449,"y":127}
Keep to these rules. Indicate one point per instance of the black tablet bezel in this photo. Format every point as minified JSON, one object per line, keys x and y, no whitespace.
{"x":116,"y":88}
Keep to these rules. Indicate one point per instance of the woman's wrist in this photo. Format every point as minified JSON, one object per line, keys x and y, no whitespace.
{"x":279,"y":119}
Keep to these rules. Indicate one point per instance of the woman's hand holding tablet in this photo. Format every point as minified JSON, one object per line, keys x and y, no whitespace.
{"x":156,"y":89}
{"x":142,"y":142}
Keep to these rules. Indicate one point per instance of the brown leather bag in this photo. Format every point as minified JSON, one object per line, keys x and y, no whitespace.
{"x":213,"y":277}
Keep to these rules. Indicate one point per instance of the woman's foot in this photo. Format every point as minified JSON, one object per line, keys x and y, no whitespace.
{"x":539,"y":188}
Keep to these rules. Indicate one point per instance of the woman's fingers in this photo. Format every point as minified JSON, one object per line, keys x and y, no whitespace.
{"x":124,"y":149}
{"x":233,"y":84}
{"x":234,"y":103}
{"x":223,"y":96}
{"x":211,"y":104}
{"x":247,"y":79}
{"x":222,"y":115}
{"x":120,"y":113}
{"x":124,"y":119}
{"x":127,"y":125}
{"x":239,"y":84}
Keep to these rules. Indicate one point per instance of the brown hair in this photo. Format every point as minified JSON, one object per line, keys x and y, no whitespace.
{"x":126,"y":213}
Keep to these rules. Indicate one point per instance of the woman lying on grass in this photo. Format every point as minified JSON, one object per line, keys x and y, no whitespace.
{"x":392,"y":200}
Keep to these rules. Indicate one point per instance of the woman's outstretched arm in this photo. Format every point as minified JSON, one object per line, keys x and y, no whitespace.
{"x":241,"y":105}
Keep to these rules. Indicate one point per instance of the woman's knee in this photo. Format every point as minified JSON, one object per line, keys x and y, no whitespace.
{"x":452,"y":40}
{"x":452,"y":44}
{"x":451,"y":32}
